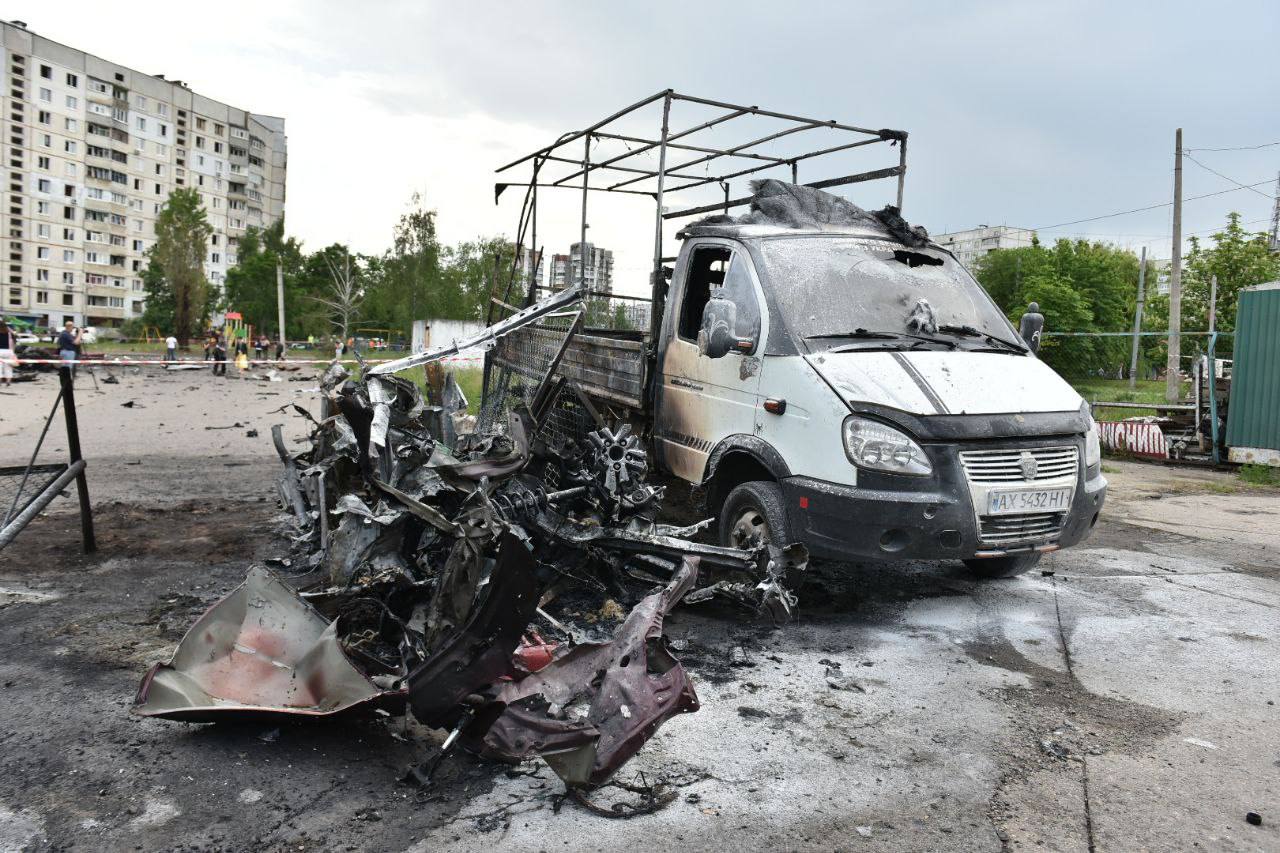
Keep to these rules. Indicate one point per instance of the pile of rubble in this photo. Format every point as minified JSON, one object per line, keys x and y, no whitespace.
{"x":473,"y":586}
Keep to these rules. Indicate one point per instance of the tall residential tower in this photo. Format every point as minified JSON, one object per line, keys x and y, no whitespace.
{"x":93,"y":150}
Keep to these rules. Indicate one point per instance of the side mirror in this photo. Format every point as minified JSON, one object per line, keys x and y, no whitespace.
{"x":717,"y":336}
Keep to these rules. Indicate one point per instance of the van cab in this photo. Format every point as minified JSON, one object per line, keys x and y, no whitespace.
{"x":839,"y":387}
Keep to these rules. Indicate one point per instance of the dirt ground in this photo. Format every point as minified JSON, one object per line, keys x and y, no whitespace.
{"x":1121,"y":699}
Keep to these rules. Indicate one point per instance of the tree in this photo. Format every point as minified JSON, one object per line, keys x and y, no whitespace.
{"x":1239,"y":259}
{"x":345,"y":293}
{"x":1081,"y":286}
{"x":251,"y":284}
{"x":174,"y":278}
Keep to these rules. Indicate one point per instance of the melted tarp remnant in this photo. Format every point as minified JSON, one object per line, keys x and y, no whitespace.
{"x":263,"y":651}
{"x":588,"y":712}
{"x":787,"y":205}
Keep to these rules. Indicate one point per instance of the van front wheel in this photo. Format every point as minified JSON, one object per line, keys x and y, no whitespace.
{"x":1002,"y":567}
{"x":754,"y":514}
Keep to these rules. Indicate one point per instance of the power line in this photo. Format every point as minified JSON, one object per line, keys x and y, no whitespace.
{"x":1241,"y":148}
{"x":1148,"y":207}
{"x":1225,"y":178}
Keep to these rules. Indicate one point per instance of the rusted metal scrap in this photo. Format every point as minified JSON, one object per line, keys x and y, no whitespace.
{"x":415,"y":579}
{"x":261,"y":651}
{"x":588,"y":712}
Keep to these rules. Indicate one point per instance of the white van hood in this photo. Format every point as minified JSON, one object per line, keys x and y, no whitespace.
{"x":939,"y":383}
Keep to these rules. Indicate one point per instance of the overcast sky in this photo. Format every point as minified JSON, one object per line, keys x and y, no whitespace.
{"x":1021,"y":113}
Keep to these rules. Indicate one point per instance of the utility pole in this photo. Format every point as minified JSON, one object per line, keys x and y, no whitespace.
{"x":1172,"y":380}
{"x":280,"y":301}
{"x":1137,"y":320}
{"x":1275,"y":219}
{"x":1213,"y":304}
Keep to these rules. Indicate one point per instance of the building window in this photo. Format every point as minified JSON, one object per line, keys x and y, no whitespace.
{"x":162,"y":109}
{"x":68,"y":299}
{"x":42,"y":297}
{"x":142,"y":123}
{"x":73,"y":81}
{"x":70,"y":169}
{"x":46,"y":72}
{"x":46,"y":95}
{"x":44,"y":117}
{"x":68,"y":256}
{"x":42,"y":230}
{"x":42,"y":253}
{"x":68,"y":278}
{"x":43,"y":185}
{"x":42,"y":162}
{"x":69,"y":146}
{"x":42,"y":275}
{"x":72,"y":102}
{"x":69,"y":234}
{"x":15,"y":296}
{"x":71,"y":125}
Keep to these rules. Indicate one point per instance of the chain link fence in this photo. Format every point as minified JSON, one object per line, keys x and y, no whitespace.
{"x":518,"y":365}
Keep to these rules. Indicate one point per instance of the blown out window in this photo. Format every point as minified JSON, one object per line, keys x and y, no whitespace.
{"x":718,"y":271}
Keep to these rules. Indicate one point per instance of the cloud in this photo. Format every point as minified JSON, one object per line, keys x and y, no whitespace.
{"x":1023,"y":113}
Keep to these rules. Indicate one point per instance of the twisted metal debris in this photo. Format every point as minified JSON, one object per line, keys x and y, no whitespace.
{"x":423,"y":577}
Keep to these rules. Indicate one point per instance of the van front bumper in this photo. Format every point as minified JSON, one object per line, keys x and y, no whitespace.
{"x":839,"y":522}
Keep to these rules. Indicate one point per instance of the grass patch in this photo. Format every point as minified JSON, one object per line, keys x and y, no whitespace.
{"x":1109,"y":469}
{"x":1260,"y":475}
{"x":469,"y":379}
{"x":1118,"y":391}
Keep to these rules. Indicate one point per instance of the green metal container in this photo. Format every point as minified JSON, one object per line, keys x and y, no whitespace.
{"x":1253,"y":419}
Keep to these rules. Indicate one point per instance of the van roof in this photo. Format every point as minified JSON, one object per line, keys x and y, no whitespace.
{"x":782,"y":209}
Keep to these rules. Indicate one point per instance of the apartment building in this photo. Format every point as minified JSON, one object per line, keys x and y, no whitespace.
{"x":567,"y":269}
{"x":93,"y":150}
{"x":973,"y":243}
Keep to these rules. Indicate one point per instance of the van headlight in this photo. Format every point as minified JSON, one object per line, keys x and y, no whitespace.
{"x":872,"y":445}
{"x":1092,"y":446}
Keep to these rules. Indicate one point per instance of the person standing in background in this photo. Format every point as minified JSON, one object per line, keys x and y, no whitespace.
{"x":7,"y":359}
{"x":219,"y":356}
{"x":171,"y":348}
{"x":69,"y":345}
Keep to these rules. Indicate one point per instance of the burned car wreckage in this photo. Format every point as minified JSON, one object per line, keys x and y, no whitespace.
{"x":426,"y":578}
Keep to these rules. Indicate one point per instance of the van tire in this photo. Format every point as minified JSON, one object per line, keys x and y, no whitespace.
{"x":754,"y":511}
{"x":1002,"y":567}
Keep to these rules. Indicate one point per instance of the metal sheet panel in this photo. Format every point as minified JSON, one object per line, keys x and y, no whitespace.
{"x":1253,"y":419}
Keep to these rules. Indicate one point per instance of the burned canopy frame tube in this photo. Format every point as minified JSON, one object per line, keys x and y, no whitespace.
{"x":709,"y":153}
{"x":659,"y":294}
{"x":552,"y":303}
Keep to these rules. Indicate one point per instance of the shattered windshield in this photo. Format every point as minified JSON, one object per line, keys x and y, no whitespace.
{"x":841,"y":291}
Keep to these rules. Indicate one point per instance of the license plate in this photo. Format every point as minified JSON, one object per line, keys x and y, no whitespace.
{"x":1028,"y":500}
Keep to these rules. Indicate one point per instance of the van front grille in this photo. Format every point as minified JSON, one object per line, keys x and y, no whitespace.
{"x":1008,"y":529}
{"x":1006,"y":465}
